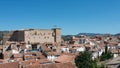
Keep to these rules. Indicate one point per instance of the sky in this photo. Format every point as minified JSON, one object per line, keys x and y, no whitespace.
{"x":72,"y":16}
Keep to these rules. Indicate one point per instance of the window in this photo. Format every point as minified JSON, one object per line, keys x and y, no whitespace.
{"x":49,"y":33}
{"x":34,"y":47}
{"x":35,"y":33}
{"x":44,"y":33}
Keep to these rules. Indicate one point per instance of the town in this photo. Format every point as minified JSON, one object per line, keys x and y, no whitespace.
{"x":47,"y":48}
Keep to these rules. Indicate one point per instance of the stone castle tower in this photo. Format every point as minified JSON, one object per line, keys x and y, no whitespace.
{"x":57,"y":35}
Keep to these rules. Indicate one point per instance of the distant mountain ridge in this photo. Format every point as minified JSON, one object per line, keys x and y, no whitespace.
{"x":91,"y":34}
{"x":118,"y":34}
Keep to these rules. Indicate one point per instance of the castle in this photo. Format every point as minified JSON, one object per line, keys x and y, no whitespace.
{"x":32,"y":36}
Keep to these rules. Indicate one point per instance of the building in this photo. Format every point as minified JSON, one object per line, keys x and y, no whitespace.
{"x":8,"y":64}
{"x":32,"y":36}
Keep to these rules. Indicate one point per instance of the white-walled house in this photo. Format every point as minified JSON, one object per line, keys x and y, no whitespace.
{"x":118,"y":46}
{"x":15,"y":51}
{"x":80,"y":49}
{"x":115,"y":55}
{"x":65,"y":49}
{"x":28,"y":46}
{"x":115,"y":52}
{"x":96,"y":54}
{"x":51,"y":57}
{"x":111,"y":47}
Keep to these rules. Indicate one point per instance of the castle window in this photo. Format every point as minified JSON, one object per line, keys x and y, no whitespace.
{"x":49,"y":33}
{"x":44,"y":33}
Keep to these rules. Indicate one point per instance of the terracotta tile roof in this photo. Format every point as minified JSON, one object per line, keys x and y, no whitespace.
{"x":102,"y":44}
{"x":18,"y":59}
{"x":38,"y":53}
{"x":64,"y":59}
{"x":53,"y":53}
{"x":45,"y":48}
{"x":113,"y":43}
{"x":80,"y":45}
{"x":44,"y":61}
{"x":115,"y":51}
{"x":1,"y":47}
{"x":53,"y":65}
{"x":65,"y":65}
{"x":29,"y":62}
{"x":27,"y":57}
{"x":94,"y":49}
{"x":9,"y":65}
{"x":1,"y":60}
{"x":76,"y":39}
{"x":34,"y":55}
{"x":17,"y":55}
{"x":88,"y":46}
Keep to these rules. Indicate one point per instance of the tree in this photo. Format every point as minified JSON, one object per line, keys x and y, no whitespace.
{"x":106,"y":49}
{"x":84,"y":60}
{"x":106,"y":56}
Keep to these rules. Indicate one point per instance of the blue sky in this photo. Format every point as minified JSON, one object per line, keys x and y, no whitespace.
{"x":73,"y":16}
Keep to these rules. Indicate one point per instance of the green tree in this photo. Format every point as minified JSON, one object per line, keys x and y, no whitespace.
{"x":106,"y":49}
{"x":84,"y":60}
{"x":101,"y":66}
{"x":106,"y":56}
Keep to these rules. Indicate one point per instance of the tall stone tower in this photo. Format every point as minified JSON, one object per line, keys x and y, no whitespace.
{"x":57,"y":35}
